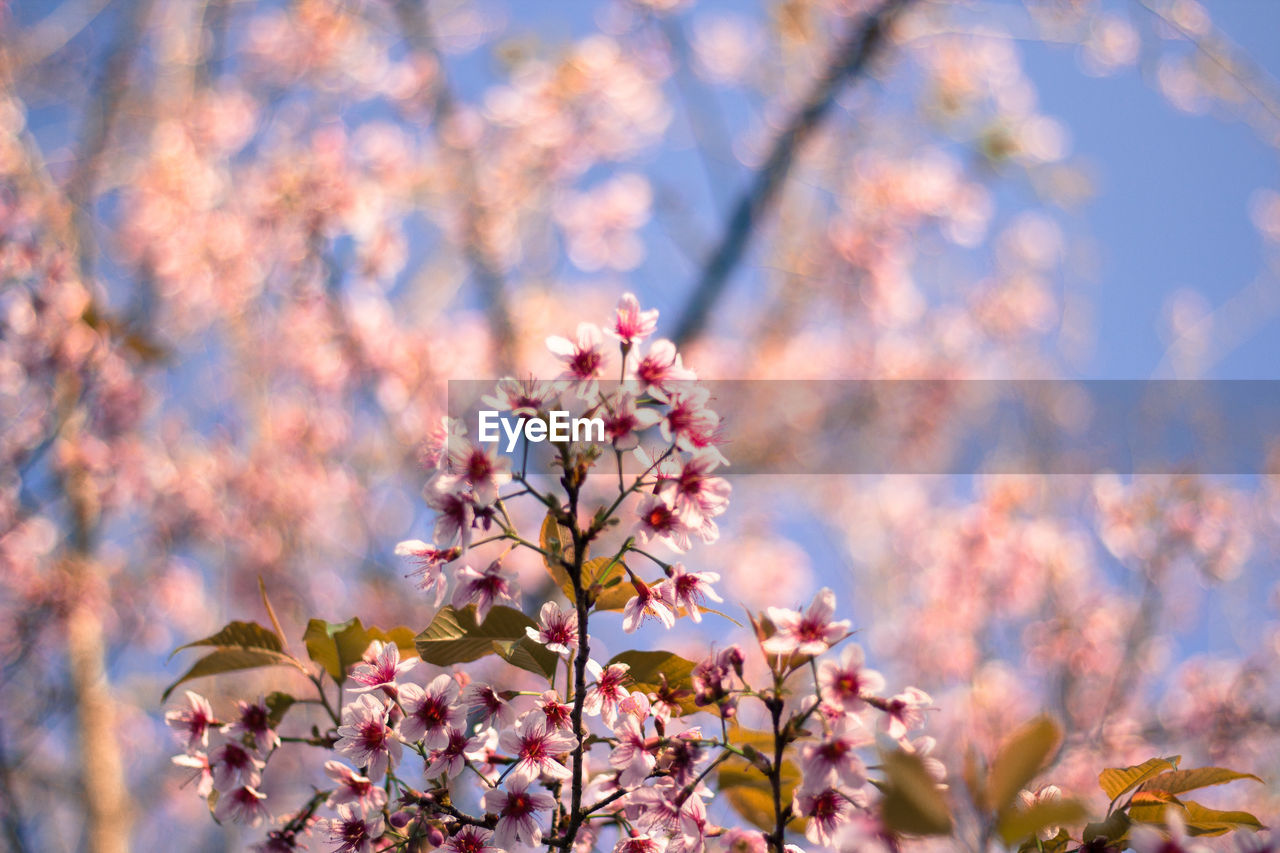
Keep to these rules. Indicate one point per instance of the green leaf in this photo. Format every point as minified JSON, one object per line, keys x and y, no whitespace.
{"x":277,"y":704}
{"x":246,"y":635}
{"x":648,"y":668}
{"x":1200,"y":820}
{"x":1114,"y":828}
{"x":750,"y":793}
{"x":1116,"y":781}
{"x":1019,"y":824}
{"x":337,"y":646}
{"x":531,"y":656}
{"x":1179,"y":781}
{"x":556,"y":541}
{"x":230,"y":659}
{"x":454,"y":637}
{"x":912,"y":803}
{"x":1019,"y":759}
{"x":607,"y":576}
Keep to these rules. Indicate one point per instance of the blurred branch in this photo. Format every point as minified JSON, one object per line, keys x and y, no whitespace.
{"x":52,"y":33}
{"x":10,"y":808}
{"x":102,"y":110}
{"x":1252,"y":80}
{"x":850,"y":61}
{"x":484,"y":268}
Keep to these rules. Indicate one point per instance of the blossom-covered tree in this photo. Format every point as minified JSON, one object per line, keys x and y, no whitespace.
{"x":243,"y":248}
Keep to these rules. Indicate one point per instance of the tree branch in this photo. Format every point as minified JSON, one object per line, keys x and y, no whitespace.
{"x":484,"y":269}
{"x":850,"y":60}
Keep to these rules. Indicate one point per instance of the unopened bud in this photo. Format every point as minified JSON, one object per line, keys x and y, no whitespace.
{"x":435,"y":836}
{"x":401,"y":818}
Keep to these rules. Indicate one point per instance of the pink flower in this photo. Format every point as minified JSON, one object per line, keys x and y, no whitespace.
{"x":632,"y":324}
{"x":658,"y":601}
{"x":430,"y":713}
{"x":483,"y":589}
{"x":690,"y":588}
{"x":354,"y":832}
{"x":623,"y":421}
{"x":517,"y":809}
{"x":659,"y":519}
{"x":478,"y":467}
{"x":603,"y":697}
{"x":233,"y":766}
{"x":826,"y":810}
{"x":431,"y":562}
{"x":660,"y":369}
{"x":811,"y":633}
{"x":846,"y":683}
{"x":640,"y":844}
{"x":631,"y":757}
{"x":557,"y":714}
{"x":497,"y":711}
{"x":534,"y":747}
{"x":557,"y":629}
{"x":905,"y":712}
{"x":381,"y":668}
{"x":202,"y":774}
{"x":191,"y":724}
{"x":584,"y":361}
{"x":471,"y":839}
{"x":696,"y":490}
{"x":243,"y":805}
{"x":636,"y":704}
{"x":352,"y":788}
{"x":744,"y":841}
{"x":451,"y":758}
{"x":255,"y":721}
{"x":521,"y":397}
{"x":833,"y":759}
{"x":365,"y":736}
{"x":689,"y":424}
{"x":454,"y":511}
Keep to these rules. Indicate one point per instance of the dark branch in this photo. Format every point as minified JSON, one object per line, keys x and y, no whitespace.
{"x":849,"y":62}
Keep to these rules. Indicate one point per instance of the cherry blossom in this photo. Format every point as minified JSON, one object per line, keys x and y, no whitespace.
{"x":690,"y":589}
{"x":352,"y":788}
{"x":366,"y":738}
{"x":808,"y":633}
{"x":656,"y":600}
{"x":381,"y":668}
{"x":192,"y":723}
{"x":431,"y":713}
{"x":631,"y":756}
{"x":517,"y":809}
{"x":632,"y":323}
{"x":557,"y":629}
{"x":846,"y":682}
{"x":484,"y":589}
{"x":352,"y":830}
{"x":603,"y":696}
{"x":535,"y":747}
{"x":242,"y":805}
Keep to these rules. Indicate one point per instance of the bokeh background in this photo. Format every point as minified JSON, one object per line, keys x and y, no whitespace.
{"x":244,"y":245}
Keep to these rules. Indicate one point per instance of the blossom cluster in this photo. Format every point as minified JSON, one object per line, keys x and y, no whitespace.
{"x":417,"y":750}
